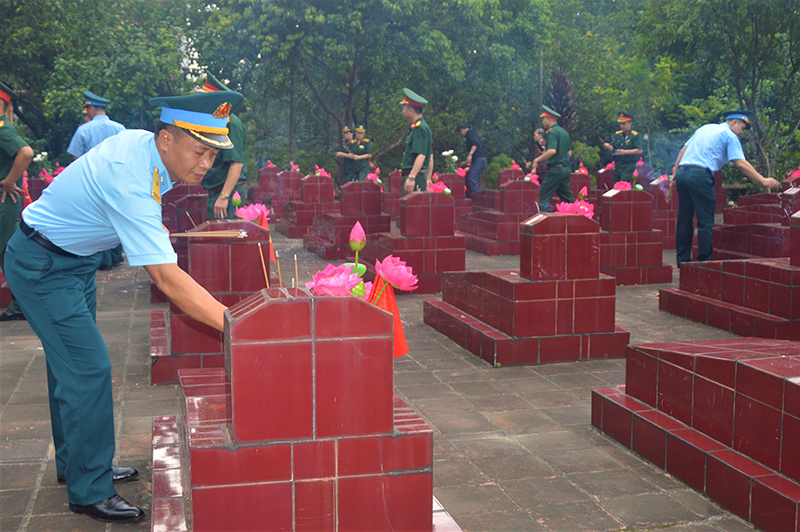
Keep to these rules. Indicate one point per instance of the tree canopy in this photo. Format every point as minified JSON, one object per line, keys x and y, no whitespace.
{"x":309,"y":67}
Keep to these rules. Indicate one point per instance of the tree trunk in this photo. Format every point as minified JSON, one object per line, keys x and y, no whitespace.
{"x":292,"y":113}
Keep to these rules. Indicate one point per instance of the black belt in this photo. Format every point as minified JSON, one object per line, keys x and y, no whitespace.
{"x":695,"y":167}
{"x":42,"y":241}
{"x":405,"y":172}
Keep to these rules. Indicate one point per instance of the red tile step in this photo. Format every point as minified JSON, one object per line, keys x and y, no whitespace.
{"x":498,"y":348}
{"x":729,"y":317}
{"x":749,"y":489}
{"x":488,"y":246}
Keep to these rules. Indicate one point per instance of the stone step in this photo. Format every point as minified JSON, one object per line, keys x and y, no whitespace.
{"x":740,"y":484}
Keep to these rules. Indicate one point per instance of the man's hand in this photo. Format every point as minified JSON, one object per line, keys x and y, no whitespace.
{"x":771,"y":183}
{"x":220,"y":207}
{"x":10,"y":189}
{"x":408,"y":185}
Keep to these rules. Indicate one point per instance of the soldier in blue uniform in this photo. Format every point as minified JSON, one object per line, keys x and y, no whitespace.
{"x":15,"y":156}
{"x":109,"y":196}
{"x":97,"y":128}
{"x":709,"y":148}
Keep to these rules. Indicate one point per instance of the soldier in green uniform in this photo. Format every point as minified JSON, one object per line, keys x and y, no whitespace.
{"x":417,"y":165}
{"x":229,"y":173}
{"x":556,"y":154}
{"x":348,"y":159}
{"x":15,"y":156}
{"x":626,"y":146}
{"x":362,"y":152}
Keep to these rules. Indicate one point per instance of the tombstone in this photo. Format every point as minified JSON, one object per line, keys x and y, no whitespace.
{"x":230,"y":269}
{"x":605,"y":179}
{"x":427,"y":241}
{"x":509,"y":175}
{"x":329,"y":234}
{"x":557,"y":307}
{"x":630,"y":250}
{"x":753,"y":297}
{"x":665,"y":212}
{"x":392,"y":192}
{"x":5,"y":291}
{"x":723,"y":416}
{"x":267,"y":185}
{"x":757,"y":227}
{"x":458,"y":190}
{"x":35,"y":187}
{"x":495,"y":230}
{"x":317,"y":198}
{"x":299,"y":430}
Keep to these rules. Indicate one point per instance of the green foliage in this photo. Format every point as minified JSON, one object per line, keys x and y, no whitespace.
{"x":491,"y":173}
{"x":588,"y":155}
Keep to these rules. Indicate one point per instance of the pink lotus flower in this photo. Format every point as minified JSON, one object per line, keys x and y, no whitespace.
{"x":439,"y":186}
{"x":435,"y":177}
{"x":334,"y":281}
{"x":236,"y":199}
{"x":796,"y":173}
{"x":583,"y":192}
{"x":461,"y":172}
{"x":293,"y":167}
{"x":374,"y":178}
{"x":514,"y":165}
{"x":582,"y":170}
{"x":321,"y":171}
{"x":377,"y":170}
{"x":622,"y":185}
{"x":636,"y":173}
{"x":610,"y":165}
{"x":252,"y":212}
{"x":584,"y":208}
{"x":396,"y":273}
{"x":640,"y":162}
{"x":358,"y":239}
{"x":269,"y":164}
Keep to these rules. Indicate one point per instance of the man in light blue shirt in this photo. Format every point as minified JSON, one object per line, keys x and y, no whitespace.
{"x":704,"y":153}
{"x":108,"y":196}
{"x":88,"y":135}
{"x":97,"y":129}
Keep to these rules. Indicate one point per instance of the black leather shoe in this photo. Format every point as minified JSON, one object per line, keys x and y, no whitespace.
{"x":112,"y":510}
{"x":12,"y":315}
{"x":121,"y":474}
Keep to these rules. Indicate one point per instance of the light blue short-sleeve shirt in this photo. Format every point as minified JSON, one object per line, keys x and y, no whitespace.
{"x":107,"y":198}
{"x":712,"y":146}
{"x":92,"y":133}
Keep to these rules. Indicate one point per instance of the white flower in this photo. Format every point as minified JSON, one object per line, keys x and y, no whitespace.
{"x":44,"y":154}
{"x":455,"y":158}
{"x":38,"y":158}
{"x":447,"y":153}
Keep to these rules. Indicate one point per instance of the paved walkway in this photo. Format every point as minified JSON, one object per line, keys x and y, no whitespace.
{"x":514,"y":448}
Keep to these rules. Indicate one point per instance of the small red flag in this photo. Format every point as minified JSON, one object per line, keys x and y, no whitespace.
{"x":388,"y":302}
{"x":262,"y":221}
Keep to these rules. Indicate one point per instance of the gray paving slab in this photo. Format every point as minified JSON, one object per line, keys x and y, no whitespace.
{"x":513,"y":447}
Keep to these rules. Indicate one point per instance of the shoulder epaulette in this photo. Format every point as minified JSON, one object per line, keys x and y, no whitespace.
{"x":366,"y":140}
{"x":619,"y":132}
{"x":416,"y":124}
{"x":2,"y":123}
{"x":634,"y":132}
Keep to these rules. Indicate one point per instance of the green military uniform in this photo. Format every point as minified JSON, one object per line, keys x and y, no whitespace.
{"x":10,"y":144}
{"x":215,"y":179}
{"x":624,"y":165}
{"x":361,"y":167}
{"x":350,"y":173}
{"x":556,"y":180}
{"x":419,"y":141}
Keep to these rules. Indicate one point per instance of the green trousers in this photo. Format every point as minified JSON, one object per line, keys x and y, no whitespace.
{"x":58,"y":295}
{"x":624,"y":172}
{"x":9,"y":221}
{"x":212,"y":199}
{"x":420,"y":183}
{"x":555,"y":180}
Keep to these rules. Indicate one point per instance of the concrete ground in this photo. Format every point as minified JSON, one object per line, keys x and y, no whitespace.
{"x":514,"y":448}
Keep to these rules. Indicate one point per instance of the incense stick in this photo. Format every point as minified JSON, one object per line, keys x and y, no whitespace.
{"x":296,"y":277}
{"x":226,"y":233}
{"x":263,"y":266}
{"x":278,"y":264}
{"x":190,"y":219}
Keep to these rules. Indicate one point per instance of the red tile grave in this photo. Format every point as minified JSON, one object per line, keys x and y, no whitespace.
{"x":754,"y":297}
{"x":5,"y":292}
{"x":300,"y":430}
{"x":329,"y":235}
{"x":630,"y":250}
{"x":317,"y":198}
{"x":178,"y":341}
{"x":276,"y":188}
{"x":458,"y":190}
{"x":721,"y":415}
{"x":493,"y":226}
{"x":391,"y":194}
{"x":557,"y":307}
{"x":427,"y":241}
